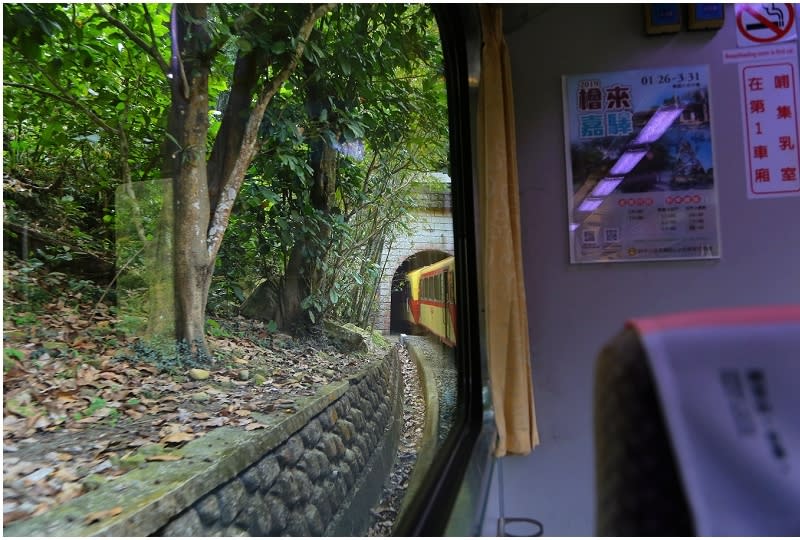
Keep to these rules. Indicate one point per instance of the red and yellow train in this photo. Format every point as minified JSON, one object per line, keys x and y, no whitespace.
{"x":432,"y":299}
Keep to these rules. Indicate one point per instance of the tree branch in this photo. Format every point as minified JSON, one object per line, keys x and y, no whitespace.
{"x":66,"y":98}
{"x":38,"y":91}
{"x":231,"y":185}
{"x":149,"y":19}
{"x":152,"y":50}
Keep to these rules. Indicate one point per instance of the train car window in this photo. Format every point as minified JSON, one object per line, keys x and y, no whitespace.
{"x":345,"y":238}
{"x":449,"y":498}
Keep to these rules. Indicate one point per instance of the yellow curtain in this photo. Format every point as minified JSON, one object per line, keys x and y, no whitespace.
{"x":507,"y":346}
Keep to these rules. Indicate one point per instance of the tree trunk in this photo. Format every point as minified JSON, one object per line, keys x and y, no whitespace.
{"x":204,"y":193}
{"x":295,"y":288}
{"x":228,"y":143}
{"x":189,"y":123}
{"x":302,"y":271}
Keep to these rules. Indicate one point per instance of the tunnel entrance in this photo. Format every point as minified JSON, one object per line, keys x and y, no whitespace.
{"x":398,"y":323}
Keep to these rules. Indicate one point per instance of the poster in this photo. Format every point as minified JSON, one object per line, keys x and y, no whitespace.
{"x":772,"y":133}
{"x":640,"y":170}
{"x":770,"y":95}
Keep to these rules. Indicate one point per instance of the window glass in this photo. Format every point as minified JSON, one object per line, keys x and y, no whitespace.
{"x":217,"y":240}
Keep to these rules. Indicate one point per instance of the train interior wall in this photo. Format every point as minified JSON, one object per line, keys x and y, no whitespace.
{"x":574,"y":309}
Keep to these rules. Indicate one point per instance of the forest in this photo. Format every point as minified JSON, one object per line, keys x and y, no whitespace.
{"x":179,"y":178}
{"x":222,"y":149}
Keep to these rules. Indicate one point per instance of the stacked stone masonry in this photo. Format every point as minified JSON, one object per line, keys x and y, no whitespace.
{"x":305,"y":486}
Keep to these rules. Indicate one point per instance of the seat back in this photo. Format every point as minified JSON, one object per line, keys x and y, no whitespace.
{"x":697,"y":425}
{"x":638,"y":488}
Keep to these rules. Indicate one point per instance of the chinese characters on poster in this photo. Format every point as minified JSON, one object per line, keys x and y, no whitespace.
{"x":640,"y":171}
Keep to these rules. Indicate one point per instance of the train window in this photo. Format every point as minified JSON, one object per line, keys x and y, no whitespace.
{"x":352,"y":207}
{"x":448,"y":498}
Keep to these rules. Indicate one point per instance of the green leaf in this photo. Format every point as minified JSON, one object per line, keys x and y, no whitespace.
{"x":244,"y":45}
{"x":279,"y":47}
{"x":9,"y":352}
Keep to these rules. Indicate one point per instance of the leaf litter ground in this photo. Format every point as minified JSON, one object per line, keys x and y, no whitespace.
{"x":80,"y":406}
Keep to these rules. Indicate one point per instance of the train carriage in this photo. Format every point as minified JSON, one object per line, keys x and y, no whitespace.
{"x":432,"y":299}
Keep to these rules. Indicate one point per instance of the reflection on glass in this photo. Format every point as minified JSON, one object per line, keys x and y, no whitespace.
{"x":606,"y":186}
{"x":657,"y":125}
{"x":590,"y":205}
{"x":302,"y":272}
{"x":627,"y":162}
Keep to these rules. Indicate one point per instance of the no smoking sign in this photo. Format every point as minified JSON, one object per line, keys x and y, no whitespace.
{"x":763,"y":24}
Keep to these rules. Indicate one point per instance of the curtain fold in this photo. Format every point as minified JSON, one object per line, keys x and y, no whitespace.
{"x":507,"y":345}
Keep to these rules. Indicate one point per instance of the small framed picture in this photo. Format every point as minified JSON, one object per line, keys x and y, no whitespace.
{"x":706,"y":16}
{"x":662,"y":18}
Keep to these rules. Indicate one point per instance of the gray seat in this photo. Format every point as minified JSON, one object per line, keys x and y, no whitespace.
{"x":638,"y":487}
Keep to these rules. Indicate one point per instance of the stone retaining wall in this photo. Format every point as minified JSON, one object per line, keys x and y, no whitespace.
{"x":316,"y":473}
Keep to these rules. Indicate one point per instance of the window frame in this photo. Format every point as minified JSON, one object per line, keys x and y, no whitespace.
{"x":451,"y":499}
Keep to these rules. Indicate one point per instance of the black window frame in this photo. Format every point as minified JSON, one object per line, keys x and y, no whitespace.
{"x":464,"y":461}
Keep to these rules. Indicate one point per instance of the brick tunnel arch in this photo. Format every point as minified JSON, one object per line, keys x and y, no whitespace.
{"x":430,"y":229}
{"x":399,"y":294}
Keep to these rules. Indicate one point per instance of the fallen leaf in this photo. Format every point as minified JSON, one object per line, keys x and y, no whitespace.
{"x":102,"y":466}
{"x":58,"y":456}
{"x":242,"y":412}
{"x":39,"y":474}
{"x":152,"y":370}
{"x":65,"y":475}
{"x":219,"y":421}
{"x":69,"y":490}
{"x":66,"y":396}
{"x":101,"y":515}
{"x":38,"y":422}
{"x":178,"y":438}
{"x":15,"y":515}
{"x":254,"y":425}
{"x":86,"y":375}
{"x":173,"y":428}
{"x":135,"y":443}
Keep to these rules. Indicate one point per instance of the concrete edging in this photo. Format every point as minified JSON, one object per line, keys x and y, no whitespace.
{"x":430,"y":433}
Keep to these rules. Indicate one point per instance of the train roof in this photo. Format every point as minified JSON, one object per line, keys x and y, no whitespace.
{"x":435,"y":267}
